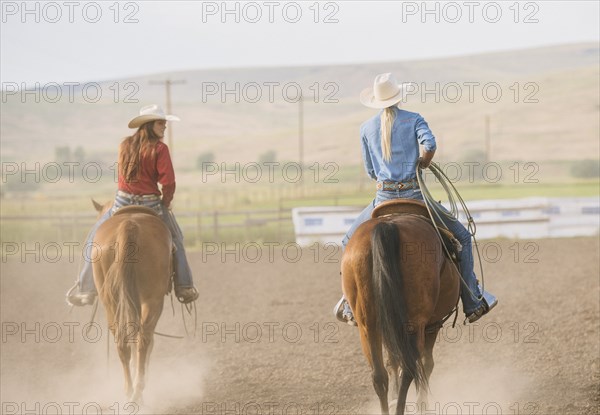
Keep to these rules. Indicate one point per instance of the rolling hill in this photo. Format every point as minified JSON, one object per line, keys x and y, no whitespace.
{"x":543,"y":104}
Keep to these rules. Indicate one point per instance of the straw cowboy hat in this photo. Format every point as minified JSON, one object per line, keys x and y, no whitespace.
{"x":386,"y":92}
{"x":151,"y":113}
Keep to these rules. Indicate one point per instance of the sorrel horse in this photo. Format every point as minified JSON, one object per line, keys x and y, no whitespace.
{"x":400,"y":286}
{"x":132,"y":275}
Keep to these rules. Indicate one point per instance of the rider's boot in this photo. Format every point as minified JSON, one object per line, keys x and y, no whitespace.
{"x":186,"y":294}
{"x":488,"y":302}
{"x":77,"y":298}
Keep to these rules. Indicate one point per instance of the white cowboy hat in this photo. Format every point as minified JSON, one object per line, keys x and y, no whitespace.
{"x":386,"y":92}
{"x":151,"y":113}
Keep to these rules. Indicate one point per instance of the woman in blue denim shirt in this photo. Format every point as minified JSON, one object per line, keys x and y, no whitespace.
{"x":390,"y":147}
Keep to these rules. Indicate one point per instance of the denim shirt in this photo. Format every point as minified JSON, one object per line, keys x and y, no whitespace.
{"x":408,"y":131}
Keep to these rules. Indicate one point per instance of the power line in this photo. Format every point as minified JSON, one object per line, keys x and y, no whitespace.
{"x":488,"y":145}
{"x":301,"y":140}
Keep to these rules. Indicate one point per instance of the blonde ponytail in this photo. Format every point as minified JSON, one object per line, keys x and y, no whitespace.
{"x":387,"y":120}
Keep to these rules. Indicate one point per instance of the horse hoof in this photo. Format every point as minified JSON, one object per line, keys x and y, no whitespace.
{"x":137,"y":399}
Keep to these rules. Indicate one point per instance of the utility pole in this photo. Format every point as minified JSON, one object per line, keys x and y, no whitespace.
{"x":301,"y":140}
{"x":488,"y":149}
{"x":167,"y":83}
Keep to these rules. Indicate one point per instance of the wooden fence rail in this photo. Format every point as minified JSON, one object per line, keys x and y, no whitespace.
{"x":197,"y":226}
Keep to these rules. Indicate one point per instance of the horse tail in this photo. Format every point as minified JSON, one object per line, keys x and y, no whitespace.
{"x":390,"y":299}
{"x":121,"y":284}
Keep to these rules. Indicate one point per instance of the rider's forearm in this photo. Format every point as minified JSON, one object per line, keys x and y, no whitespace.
{"x":426,"y":159}
{"x":167,"y":194}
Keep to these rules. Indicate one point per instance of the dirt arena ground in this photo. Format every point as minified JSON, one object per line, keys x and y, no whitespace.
{"x":267,"y":343}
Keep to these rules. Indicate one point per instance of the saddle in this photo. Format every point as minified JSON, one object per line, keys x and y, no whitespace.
{"x":136,"y":209}
{"x":417,"y":208}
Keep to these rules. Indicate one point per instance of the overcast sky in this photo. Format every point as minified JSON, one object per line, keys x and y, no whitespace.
{"x":88,"y":41}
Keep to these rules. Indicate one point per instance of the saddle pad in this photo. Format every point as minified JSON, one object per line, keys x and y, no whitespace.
{"x":400,"y":206}
{"x":136,"y":209}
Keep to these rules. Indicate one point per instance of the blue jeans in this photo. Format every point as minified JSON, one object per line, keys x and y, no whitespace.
{"x":183,"y":276}
{"x":469,"y":292}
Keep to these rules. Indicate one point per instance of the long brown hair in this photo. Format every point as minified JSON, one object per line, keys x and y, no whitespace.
{"x":134,"y":148}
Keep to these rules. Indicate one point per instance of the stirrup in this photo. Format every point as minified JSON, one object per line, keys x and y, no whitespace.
{"x":339,"y":309}
{"x":488,"y":302}
{"x":343,"y":315}
{"x":79,"y":299}
{"x":186,"y":294}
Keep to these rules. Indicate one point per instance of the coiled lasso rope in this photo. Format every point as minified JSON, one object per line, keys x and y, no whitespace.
{"x":434,"y":208}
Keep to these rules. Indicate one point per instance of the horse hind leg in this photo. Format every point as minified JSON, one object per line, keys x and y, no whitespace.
{"x":405,"y":381}
{"x":424,"y":349}
{"x":380,"y":384}
{"x":428,"y":363}
{"x":394,"y":373}
{"x":372,"y":348}
{"x":124,"y":350}
{"x":145,"y":344}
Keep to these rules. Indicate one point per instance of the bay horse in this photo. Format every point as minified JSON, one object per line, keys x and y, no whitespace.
{"x":400,"y":286}
{"x":133,"y":275}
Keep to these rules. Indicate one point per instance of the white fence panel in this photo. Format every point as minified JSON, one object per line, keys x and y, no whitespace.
{"x":529,"y":218}
{"x":322,"y":224}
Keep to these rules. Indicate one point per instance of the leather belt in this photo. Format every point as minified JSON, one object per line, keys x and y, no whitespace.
{"x":148,"y":198}
{"x":395,"y":186}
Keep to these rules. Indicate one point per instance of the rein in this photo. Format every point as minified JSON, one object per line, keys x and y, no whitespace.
{"x":431,"y":204}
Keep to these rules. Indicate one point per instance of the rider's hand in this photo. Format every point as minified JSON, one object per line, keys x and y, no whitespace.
{"x":425,"y":159}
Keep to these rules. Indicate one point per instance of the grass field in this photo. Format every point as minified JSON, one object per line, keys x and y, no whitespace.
{"x":239,"y":212}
